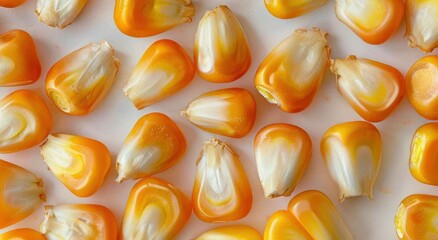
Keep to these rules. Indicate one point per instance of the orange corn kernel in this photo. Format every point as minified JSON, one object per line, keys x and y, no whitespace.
{"x":78,"y":221}
{"x":144,"y":18}
{"x":287,"y":81}
{"x":422,"y":85}
{"x":153,"y":145}
{"x":155,"y":210}
{"x":291,"y":9}
{"x":235,"y":232}
{"x":317,"y":215}
{"x":21,"y":193}
{"x":222,"y":52}
{"x":59,"y":13}
{"x":18,"y":59}
{"x":352,"y":152}
{"x":372,"y":89}
{"x":25,"y":121}
{"x":11,"y":3}
{"x":421,"y":30}
{"x":374,"y":21}
{"x":80,"y":163}
{"x":283,"y":225}
{"x":164,"y":69}
{"x":282,"y":153}
{"x":221,"y":191}
{"x":22,"y":234}
{"x":416,"y":218}
{"x":229,"y":112}
{"x":423,"y":161}
{"x":78,"y":82}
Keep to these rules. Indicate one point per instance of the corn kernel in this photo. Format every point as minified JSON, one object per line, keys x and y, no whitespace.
{"x":222,"y":52}
{"x":25,"y":121}
{"x":283,"y":225}
{"x":164,"y":69}
{"x":80,"y":163}
{"x":423,"y":162}
{"x":221,"y":191}
{"x":78,"y":222}
{"x":78,"y":82}
{"x":291,"y":9}
{"x":21,"y":193}
{"x":422,"y":87}
{"x":372,"y":89}
{"x":352,"y":152}
{"x":282,"y":153}
{"x":317,"y":215}
{"x":59,"y":13}
{"x":144,"y":18}
{"x":153,"y":145}
{"x":19,"y":63}
{"x":235,"y":232}
{"x":374,"y":21}
{"x":416,"y":218}
{"x":288,"y":81}
{"x":421,"y":30}
{"x":228,"y":112}
{"x":11,"y":3}
{"x":155,"y":210}
{"x":22,"y":234}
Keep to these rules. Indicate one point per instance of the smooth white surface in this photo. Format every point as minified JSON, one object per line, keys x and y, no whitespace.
{"x":112,"y":120}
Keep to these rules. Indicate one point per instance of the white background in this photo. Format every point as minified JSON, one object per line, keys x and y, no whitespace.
{"x":112,"y":120}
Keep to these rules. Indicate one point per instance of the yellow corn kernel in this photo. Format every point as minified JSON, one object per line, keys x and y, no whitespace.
{"x":155,"y":210}
{"x":235,"y":232}
{"x":22,"y":234}
{"x":282,"y":153}
{"x":282,"y":225}
{"x":374,"y":21}
{"x":78,"y":82}
{"x":11,"y":3}
{"x":291,"y":9}
{"x":229,"y":112}
{"x":21,"y":193}
{"x":153,"y":145}
{"x":78,"y":222}
{"x":317,"y":215}
{"x":80,"y":163}
{"x":372,"y":89}
{"x":424,"y":154}
{"x":221,"y":191}
{"x":422,"y":87}
{"x":421,"y":30}
{"x":287,"y":81}
{"x":59,"y":13}
{"x":222,"y":52}
{"x":416,"y":218}
{"x":144,"y":18}
{"x":352,"y":152}
{"x":25,"y":121}
{"x":164,"y":69}
{"x":18,"y":59}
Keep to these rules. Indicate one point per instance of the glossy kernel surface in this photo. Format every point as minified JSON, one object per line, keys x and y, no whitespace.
{"x":416,"y":218}
{"x":422,"y":87}
{"x":164,"y":69}
{"x":423,"y":162}
{"x":374,"y":21}
{"x":282,"y":153}
{"x":291,"y":9}
{"x":352,"y":152}
{"x":19,"y":60}
{"x":372,"y":89}
{"x":155,"y":210}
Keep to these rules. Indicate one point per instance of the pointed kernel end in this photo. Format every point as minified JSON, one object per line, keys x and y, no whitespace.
{"x":120,"y":178}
